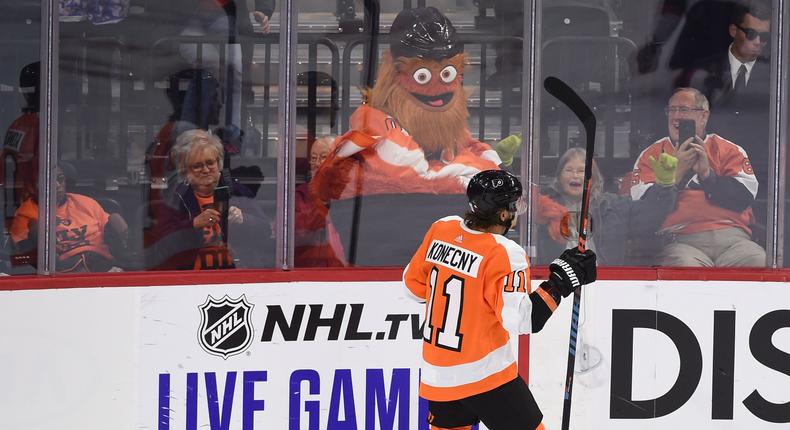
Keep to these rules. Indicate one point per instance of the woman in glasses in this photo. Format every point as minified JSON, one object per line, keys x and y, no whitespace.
{"x":205,"y":221}
{"x":613,"y":218}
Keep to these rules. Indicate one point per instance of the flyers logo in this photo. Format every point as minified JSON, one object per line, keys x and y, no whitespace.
{"x":747,"y":166}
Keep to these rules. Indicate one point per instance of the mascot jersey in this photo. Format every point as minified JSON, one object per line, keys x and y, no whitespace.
{"x":378,"y":156}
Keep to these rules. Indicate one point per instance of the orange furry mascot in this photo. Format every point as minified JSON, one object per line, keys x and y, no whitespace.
{"x":411,"y":135}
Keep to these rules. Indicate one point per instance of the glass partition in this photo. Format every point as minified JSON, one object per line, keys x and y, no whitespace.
{"x":168,"y":141}
{"x":20,"y":27}
{"x":654,"y":80}
{"x":401,"y":104}
{"x":167,"y":135}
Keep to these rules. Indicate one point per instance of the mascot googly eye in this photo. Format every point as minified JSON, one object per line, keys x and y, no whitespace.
{"x":422,"y":76}
{"x":448,"y":74}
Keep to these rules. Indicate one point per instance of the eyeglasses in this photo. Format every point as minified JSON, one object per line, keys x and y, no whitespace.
{"x":569,"y":171}
{"x":752,"y":34}
{"x":210,"y":164}
{"x":681,"y":109}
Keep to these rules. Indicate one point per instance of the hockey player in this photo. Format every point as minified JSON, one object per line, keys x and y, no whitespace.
{"x":476,"y":286}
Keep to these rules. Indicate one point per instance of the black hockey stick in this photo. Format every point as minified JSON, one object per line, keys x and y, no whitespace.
{"x":566,"y":95}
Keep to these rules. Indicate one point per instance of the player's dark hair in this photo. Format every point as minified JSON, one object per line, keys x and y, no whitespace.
{"x":479,"y":221}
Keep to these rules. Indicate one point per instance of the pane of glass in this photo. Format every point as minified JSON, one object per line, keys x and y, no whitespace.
{"x":394,"y":122}
{"x":20,"y":29}
{"x":166,"y":114}
{"x":627,"y":65}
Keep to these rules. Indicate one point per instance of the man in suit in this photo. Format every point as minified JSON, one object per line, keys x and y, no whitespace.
{"x":738,"y":85}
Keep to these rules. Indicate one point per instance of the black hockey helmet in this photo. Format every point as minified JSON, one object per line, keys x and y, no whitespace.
{"x":491,"y":190}
{"x":29,"y":84}
{"x":423,"y":32}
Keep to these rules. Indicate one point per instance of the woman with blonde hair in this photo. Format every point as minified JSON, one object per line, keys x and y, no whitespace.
{"x":206,"y":222}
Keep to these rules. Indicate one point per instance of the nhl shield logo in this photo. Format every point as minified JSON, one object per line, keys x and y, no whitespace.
{"x":225,"y":327}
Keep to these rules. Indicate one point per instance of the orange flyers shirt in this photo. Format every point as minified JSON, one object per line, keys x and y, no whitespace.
{"x":475,"y":286}
{"x":80,"y":225}
{"x":213,"y":254}
{"x":693,"y":212}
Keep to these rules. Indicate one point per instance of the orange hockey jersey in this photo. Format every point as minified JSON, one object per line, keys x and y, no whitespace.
{"x":388,"y":160}
{"x":693,"y":211}
{"x":21,"y":146}
{"x":475,"y":286}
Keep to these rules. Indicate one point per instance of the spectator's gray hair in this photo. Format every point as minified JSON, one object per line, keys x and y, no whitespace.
{"x":191,"y":141}
{"x":699,"y":99}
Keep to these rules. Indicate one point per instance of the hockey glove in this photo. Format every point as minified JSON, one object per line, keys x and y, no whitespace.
{"x":571,"y":270}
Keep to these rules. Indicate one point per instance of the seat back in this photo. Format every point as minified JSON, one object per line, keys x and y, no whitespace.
{"x":390,"y":227}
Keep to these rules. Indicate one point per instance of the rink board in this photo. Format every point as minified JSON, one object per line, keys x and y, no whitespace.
{"x":327,"y":355}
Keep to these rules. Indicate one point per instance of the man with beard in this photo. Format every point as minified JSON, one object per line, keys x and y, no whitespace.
{"x":411,"y":135}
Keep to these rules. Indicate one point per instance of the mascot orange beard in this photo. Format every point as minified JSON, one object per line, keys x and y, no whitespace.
{"x":427,"y":98}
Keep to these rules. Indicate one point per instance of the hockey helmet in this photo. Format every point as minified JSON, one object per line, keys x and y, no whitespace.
{"x":29,"y":83}
{"x":423,"y":32}
{"x":491,"y":190}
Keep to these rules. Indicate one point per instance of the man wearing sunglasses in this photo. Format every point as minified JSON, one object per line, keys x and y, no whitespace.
{"x":738,"y":87}
{"x":744,"y":67}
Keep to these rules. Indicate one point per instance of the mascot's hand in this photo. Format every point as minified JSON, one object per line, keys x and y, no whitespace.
{"x":507,"y":148}
{"x":332,"y":178}
{"x":664,"y":168}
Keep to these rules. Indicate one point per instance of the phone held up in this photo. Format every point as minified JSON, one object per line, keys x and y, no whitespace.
{"x":686,"y":129}
{"x":221,"y":198}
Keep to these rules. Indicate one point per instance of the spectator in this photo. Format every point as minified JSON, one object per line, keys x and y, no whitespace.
{"x":83,"y":231}
{"x":206,"y":225}
{"x":738,"y":84}
{"x":614,"y":218}
{"x":709,"y":225}
{"x":21,"y":142}
{"x":317,"y":243}
{"x":195,"y":98}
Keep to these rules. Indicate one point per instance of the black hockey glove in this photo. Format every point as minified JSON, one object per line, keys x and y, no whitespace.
{"x":572,"y":269}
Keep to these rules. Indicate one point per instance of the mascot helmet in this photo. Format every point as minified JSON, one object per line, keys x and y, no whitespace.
{"x":491,"y":190}
{"x":425,"y":33}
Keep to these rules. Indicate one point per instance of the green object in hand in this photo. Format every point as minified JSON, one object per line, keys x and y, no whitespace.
{"x":507,"y":148}
{"x":664,"y":167}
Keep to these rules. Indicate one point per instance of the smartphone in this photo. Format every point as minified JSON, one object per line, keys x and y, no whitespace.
{"x":686,"y":129}
{"x":221,"y":198}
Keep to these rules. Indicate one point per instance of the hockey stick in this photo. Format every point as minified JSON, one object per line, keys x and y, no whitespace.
{"x":566,"y":95}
